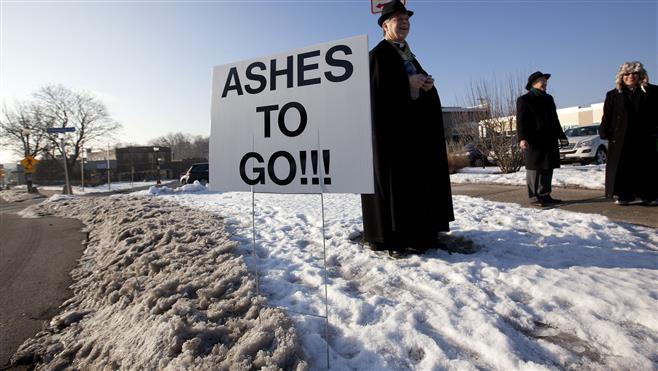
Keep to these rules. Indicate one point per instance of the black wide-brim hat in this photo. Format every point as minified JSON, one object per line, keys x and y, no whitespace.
{"x":536,"y":75}
{"x":391,"y":8}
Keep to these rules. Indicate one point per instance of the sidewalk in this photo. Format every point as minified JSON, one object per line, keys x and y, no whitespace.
{"x":578,"y":200}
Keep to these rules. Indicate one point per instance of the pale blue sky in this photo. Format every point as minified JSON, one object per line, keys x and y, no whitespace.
{"x":151,"y":61}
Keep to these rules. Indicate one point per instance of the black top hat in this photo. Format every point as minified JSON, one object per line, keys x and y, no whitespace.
{"x":392,"y":8}
{"x":534,"y":77}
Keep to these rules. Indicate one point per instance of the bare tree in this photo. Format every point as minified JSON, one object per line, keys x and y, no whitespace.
{"x":201,"y":147}
{"x":495,"y":134}
{"x":20,"y":129}
{"x":184,"y":146}
{"x":61,"y":107}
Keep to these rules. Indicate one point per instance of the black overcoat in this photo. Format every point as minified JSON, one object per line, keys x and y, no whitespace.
{"x":412,"y":200}
{"x":632,"y":162}
{"x":538,"y":124}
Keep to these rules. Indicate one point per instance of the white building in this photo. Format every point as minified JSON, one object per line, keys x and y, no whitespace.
{"x":580,"y":115}
{"x":569,"y":117}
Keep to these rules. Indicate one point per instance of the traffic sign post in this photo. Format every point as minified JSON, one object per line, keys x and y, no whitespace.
{"x":28,"y":163}
{"x":376,"y":6}
{"x":60,"y":130}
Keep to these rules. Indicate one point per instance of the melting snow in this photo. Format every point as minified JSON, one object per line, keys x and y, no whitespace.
{"x":586,"y":176}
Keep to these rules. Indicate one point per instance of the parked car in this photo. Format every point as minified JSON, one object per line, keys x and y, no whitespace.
{"x":585,"y":146}
{"x":198,"y":172}
{"x":475,"y":157}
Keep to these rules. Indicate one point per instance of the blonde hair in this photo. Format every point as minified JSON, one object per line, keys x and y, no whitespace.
{"x":632,"y":67}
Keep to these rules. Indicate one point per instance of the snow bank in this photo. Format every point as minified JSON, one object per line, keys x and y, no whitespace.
{"x":102,"y":188}
{"x":159,"y":287}
{"x":18,"y":195}
{"x":588,"y":176}
{"x":196,"y":187}
{"x":549,"y":289}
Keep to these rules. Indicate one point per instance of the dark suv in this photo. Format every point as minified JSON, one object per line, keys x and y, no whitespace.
{"x":196,"y":172}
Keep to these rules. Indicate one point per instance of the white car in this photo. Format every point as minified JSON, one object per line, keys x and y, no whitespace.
{"x":585,"y":146}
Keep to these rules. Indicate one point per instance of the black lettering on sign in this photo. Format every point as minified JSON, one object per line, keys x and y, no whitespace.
{"x":285,"y":177}
{"x":326,"y":158}
{"x":256,"y":77}
{"x":291,"y":162}
{"x":260,"y":178}
{"x":303,"y":119}
{"x":315,"y":179}
{"x":232,"y":74}
{"x":302,"y":68}
{"x":314,"y":164}
{"x":267,"y":110}
{"x":345,"y":64}
{"x":302,"y":167}
{"x":288,"y":71}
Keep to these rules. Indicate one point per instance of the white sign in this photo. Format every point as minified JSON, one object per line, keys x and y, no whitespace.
{"x":376,"y":6}
{"x":296,"y":122}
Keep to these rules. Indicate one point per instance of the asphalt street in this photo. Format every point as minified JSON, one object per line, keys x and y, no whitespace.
{"x":36,"y":257}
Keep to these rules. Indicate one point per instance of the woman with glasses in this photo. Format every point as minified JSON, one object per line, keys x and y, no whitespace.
{"x":630,"y":124}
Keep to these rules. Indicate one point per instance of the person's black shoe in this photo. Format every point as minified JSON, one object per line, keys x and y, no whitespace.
{"x":538,"y":202}
{"x":375,"y":246}
{"x":397,"y":254}
{"x":551,"y":201}
{"x":647,"y":202}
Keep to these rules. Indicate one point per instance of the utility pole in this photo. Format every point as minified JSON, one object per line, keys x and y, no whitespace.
{"x":69,"y":191}
{"x":157,"y":164}
{"x":82,"y":168}
{"x":107,"y":158}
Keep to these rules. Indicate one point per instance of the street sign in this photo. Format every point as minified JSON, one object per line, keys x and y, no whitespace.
{"x":376,"y":6}
{"x":28,"y":163}
{"x":60,"y":130}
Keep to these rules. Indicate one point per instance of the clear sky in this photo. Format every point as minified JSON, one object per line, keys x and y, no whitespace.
{"x":150,"y":61}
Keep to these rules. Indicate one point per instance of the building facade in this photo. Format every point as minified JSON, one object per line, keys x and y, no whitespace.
{"x":143,"y":163}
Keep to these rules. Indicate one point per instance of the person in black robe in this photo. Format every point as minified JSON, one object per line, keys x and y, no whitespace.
{"x":630,"y":124}
{"x":412,"y":202}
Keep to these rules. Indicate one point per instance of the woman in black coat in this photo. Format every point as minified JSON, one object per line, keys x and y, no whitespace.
{"x":630,"y":124}
{"x":412,"y":202}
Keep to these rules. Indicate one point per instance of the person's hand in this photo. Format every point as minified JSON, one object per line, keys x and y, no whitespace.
{"x":429,"y":83}
{"x":417,"y":81}
{"x":524,"y":144}
{"x":564,"y":142}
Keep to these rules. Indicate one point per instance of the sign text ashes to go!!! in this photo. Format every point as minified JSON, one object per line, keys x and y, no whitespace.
{"x":295,"y":122}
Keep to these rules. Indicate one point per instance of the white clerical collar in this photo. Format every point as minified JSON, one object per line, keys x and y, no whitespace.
{"x":398,"y":44}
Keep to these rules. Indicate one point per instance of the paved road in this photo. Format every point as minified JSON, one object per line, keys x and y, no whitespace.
{"x":36,"y":256}
{"x":579,"y":200}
